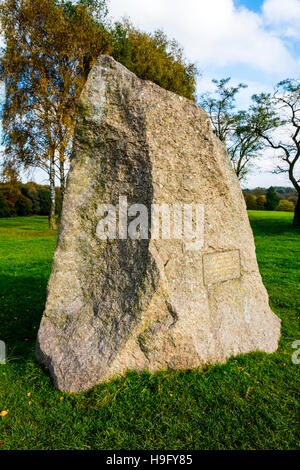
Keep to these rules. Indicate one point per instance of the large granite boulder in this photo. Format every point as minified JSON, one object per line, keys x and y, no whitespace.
{"x":154,"y":302}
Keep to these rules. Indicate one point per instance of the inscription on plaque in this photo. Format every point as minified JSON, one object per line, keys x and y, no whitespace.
{"x":220,"y":267}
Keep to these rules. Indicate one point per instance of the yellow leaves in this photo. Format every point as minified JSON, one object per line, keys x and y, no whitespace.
{"x":49,"y":57}
{"x":3,"y":413}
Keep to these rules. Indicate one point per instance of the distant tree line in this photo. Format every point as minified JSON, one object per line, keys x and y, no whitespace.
{"x":20,"y":199}
{"x":274,"y":198}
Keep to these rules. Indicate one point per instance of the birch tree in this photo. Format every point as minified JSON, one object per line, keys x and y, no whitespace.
{"x":50,"y":47}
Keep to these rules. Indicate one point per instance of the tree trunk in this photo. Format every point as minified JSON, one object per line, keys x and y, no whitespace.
{"x":296,"y":221}
{"x":62,"y":178}
{"x":52,"y":222}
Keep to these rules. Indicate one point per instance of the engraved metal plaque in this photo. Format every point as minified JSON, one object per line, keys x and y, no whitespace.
{"x":220,"y":267}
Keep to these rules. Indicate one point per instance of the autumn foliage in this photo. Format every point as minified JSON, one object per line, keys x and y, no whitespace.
{"x":50,"y":47}
{"x":20,"y":199}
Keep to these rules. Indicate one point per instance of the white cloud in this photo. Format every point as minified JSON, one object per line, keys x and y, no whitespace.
{"x":283,"y":16}
{"x":265,"y":178}
{"x":213,"y":33}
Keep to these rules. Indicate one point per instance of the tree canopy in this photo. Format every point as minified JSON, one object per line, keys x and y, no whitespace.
{"x":50,"y":48}
{"x":154,"y":57}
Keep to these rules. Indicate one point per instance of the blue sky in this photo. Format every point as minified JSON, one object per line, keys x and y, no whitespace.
{"x":256,"y":42}
{"x":254,"y":5}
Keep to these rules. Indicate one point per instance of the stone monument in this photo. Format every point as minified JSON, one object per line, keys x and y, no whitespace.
{"x":155,"y":263}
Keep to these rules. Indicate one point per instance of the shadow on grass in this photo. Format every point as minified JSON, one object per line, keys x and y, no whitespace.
{"x":22,"y":303}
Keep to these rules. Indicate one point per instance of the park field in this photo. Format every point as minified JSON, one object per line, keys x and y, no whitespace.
{"x":251,"y":402}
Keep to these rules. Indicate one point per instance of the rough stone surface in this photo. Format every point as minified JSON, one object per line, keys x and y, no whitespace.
{"x":149,"y":304}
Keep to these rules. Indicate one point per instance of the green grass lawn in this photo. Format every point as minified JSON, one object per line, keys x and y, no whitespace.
{"x":252,"y":402}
